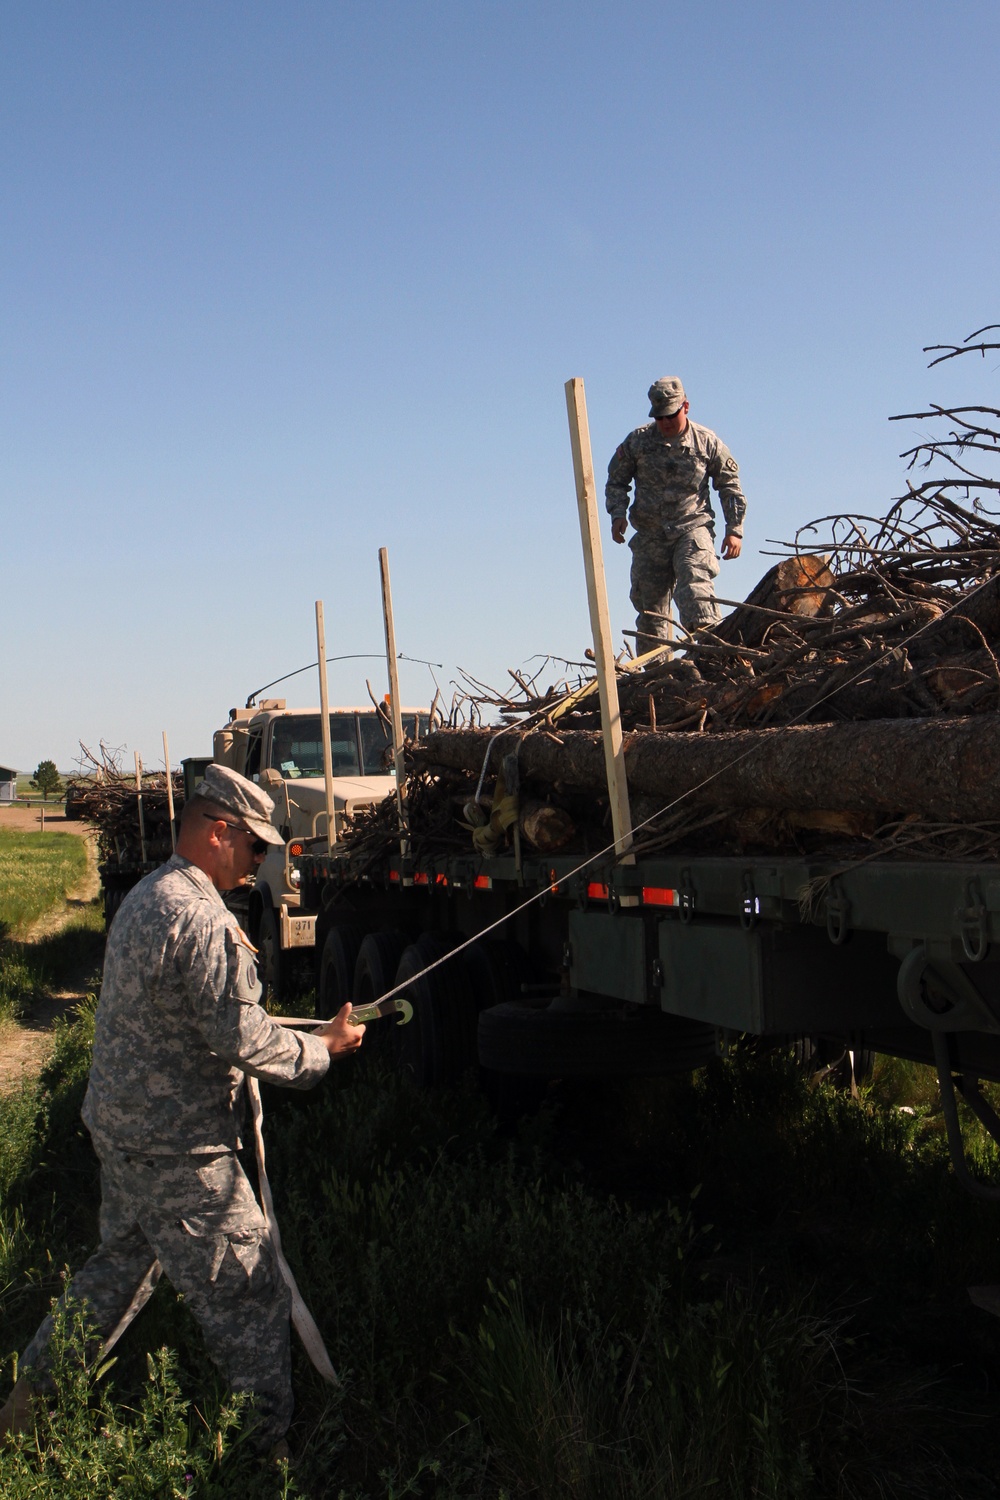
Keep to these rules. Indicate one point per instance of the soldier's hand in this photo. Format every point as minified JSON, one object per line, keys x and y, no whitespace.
{"x":338,"y":1035}
{"x":618,"y":528}
{"x":732,"y":546}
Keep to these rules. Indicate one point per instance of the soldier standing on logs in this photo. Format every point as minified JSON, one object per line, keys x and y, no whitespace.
{"x":671,"y":461}
{"x":178,"y":1025}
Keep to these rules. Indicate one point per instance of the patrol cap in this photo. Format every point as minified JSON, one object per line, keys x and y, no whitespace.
{"x":231,"y":792}
{"x":666,"y":396}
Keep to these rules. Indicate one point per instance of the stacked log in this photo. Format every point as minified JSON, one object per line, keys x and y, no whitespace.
{"x":936,"y":768}
{"x":106,"y":797}
{"x":852,"y":699}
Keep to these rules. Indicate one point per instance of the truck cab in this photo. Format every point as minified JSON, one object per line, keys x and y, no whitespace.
{"x":281,"y":749}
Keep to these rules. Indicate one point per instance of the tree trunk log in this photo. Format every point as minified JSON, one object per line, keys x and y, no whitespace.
{"x":797,"y":586}
{"x":546,"y":828}
{"x":939,"y":768}
{"x":953,"y":633}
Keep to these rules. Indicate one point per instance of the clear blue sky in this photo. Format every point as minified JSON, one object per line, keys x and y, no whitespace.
{"x":284,"y":282}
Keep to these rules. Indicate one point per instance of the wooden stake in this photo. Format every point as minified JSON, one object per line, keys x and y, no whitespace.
{"x":142,"y":820}
{"x":170,"y":793}
{"x":600,"y":623}
{"x":395,"y":707}
{"x":324,"y":714}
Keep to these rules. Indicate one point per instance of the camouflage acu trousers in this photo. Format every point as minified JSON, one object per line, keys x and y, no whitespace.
{"x":685,"y":568}
{"x":198,"y":1216}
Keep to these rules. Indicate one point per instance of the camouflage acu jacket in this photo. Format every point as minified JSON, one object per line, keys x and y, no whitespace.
{"x":180,"y":1021}
{"x":671,"y":478}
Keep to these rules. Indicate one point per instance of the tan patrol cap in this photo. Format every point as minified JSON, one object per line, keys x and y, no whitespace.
{"x":666,"y":396}
{"x":231,"y":792}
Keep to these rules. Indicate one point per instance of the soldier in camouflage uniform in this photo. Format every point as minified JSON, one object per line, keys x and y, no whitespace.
{"x":178,"y":1025}
{"x":671,"y":461}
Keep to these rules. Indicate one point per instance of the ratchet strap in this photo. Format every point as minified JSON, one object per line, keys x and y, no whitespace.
{"x":302,"y":1319}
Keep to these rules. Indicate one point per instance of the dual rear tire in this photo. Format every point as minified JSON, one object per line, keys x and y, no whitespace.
{"x":467,"y":1011}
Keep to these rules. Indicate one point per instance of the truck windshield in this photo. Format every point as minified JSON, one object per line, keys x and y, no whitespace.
{"x":297,"y":744}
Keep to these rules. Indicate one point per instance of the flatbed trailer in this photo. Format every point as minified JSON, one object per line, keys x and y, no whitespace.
{"x":617,"y":962}
{"x":584,"y":969}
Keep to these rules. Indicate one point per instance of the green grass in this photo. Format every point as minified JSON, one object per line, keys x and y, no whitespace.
{"x":36,"y":873}
{"x":37,"y":870}
{"x":562,"y":1315}
{"x":730,"y":1285}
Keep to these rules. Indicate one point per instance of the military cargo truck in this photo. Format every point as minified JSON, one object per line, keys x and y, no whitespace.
{"x":281,"y":748}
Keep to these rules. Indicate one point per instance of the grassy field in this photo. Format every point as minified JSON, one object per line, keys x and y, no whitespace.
{"x":37,"y":870}
{"x":732,"y":1285}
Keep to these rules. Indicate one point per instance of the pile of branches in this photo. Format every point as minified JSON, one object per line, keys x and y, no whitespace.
{"x":853,"y":699}
{"x":107,"y":797}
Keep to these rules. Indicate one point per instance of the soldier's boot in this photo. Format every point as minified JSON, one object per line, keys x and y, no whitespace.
{"x":15,"y":1417}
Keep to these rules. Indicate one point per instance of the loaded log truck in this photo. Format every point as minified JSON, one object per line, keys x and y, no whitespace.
{"x":548,"y":965}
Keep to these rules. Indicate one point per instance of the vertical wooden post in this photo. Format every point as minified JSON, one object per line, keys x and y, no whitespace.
{"x":600,"y":623}
{"x":170,"y":793}
{"x":395,"y":706}
{"x":138,"y":798}
{"x":324,"y":714}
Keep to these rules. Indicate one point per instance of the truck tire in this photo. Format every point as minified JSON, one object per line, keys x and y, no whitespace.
{"x":498,"y":968}
{"x":374,"y":976}
{"x":271,"y":967}
{"x":832,"y":1060}
{"x":587,"y":1044}
{"x":113,"y":898}
{"x":116,"y":887}
{"x":336,"y":967}
{"x":438,"y":1044}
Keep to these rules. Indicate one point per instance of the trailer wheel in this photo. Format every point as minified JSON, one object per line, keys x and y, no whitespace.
{"x":832,"y":1059}
{"x":587,"y":1044}
{"x":336,"y":967}
{"x":374,"y":976}
{"x":438,"y":1044}
{"x":116,"y":887}
{"x":270,"y":965}
{"x":498,"y":968}
{"x":113,"y":898}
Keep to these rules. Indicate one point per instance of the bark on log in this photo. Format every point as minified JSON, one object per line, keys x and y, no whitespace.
{"x":953,"y":634}
{"x":939,"y":768}
{"x":797,"y":586}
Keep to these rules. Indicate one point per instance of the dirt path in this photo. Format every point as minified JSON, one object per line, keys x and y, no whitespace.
{"x":26,"y":1044}
{"x":25,"y":819}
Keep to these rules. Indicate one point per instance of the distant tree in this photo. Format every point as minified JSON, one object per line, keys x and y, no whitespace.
{"x":46,"y":779}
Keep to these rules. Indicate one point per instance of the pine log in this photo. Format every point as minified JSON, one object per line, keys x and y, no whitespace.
{"x":545,"y":827}
{"x":797,"y":586}
{"x":942,"y":768}
{"x":965,"y":625}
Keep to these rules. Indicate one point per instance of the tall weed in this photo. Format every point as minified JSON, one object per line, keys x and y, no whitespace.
{"x":658,"y":1289}
{"x":86,"y":1446}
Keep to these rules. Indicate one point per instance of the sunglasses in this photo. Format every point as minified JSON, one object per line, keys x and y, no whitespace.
{"x":257,"y":847}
